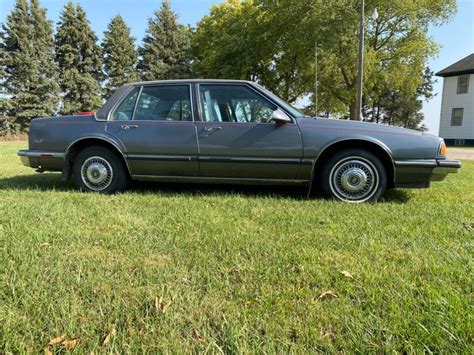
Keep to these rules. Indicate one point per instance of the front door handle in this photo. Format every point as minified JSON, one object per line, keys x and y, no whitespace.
{"x":210,"y":130}
{"x":128,"y":126}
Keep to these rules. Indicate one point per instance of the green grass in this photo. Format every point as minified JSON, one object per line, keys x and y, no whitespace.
{"x":242,"y":267}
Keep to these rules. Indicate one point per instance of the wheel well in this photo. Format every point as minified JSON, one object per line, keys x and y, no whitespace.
{"x":374,"y":148}
{"x":84,"y":143}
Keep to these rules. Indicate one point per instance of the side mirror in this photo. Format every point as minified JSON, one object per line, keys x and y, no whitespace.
{"x":279,"y":117}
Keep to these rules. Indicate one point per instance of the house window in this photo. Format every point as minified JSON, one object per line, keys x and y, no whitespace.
{"x":463,"y":84}
{"x":456,"y":116}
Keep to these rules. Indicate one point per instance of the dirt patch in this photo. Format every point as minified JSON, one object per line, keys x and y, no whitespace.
{"x":460,"y":153}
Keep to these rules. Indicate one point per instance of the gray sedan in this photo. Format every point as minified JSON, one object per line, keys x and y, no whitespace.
{"x":226,"y":131}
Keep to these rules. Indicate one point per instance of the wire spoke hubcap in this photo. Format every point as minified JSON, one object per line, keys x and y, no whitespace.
{"x":354,"y":179}
{"x":96,"y":173}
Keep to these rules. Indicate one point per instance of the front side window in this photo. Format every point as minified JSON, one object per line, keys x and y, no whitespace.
{"x":164,"y":103}
{"x":234,"y":103}
{"x":125,"y":110}
{"x":463,"y":84}
{"x":456,"y":116}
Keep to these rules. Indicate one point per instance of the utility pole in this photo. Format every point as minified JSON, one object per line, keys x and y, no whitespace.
{"x":316,"y":79}
{"x":360,"y":68}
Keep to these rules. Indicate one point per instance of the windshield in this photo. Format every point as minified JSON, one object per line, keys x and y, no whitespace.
{"x":292,"y":110}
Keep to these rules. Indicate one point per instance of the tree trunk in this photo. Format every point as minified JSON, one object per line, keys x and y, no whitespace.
{"x":353,"y":111}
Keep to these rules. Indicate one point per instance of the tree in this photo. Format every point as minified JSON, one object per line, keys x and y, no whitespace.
{"x":120,"y":56}
{"x":165,"y":50}
{"x":6,"y":122}
{"x":47,"y":88}
{"x":242,"y":40}
{"x":261,"y":40}
{"x":395,"y":108}
{"x":79,"y":60}
{"x":396,"y":52}
{"x":27,"y":55}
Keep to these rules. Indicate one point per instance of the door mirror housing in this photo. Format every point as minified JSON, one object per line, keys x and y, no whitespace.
{"x":279,"y":117}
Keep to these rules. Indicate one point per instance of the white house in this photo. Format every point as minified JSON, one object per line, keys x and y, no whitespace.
{"x":457,"y":106}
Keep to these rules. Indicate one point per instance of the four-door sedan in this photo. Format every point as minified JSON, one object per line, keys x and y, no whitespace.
{"x":227,"y":131}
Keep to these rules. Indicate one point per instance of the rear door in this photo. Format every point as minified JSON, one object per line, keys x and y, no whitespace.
{"x":155,"y":124}
{"x":238,"y":139}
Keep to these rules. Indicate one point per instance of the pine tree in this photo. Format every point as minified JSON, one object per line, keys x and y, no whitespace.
{"x":27,"y":62}
{"x":79,"y":60}
{"x":47,"y":88}
{"x":6,"y":123}
{"x":120,"y":56}
{"x":164,"y":54}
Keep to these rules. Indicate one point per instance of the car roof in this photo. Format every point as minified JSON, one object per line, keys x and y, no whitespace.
{"x":190,"y":81}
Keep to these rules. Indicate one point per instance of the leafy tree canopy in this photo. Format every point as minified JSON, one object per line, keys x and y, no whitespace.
{"x":274,"y":43}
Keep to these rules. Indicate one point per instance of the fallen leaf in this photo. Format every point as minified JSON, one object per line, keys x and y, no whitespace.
{"x":347,"y":274}
{"x":70,"y":344}
{"x":107,"y":338}
{"x":329,"y":335}
{"x":198,"y":335}
{"x":327,"y":295}
{"x":45,"y":245}
{"x":160,"y":306}
{"x":47,"y":351}
{"x":57,"y":340}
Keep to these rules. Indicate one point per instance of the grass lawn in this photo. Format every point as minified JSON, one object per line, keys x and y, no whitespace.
{"x":228,"y":269}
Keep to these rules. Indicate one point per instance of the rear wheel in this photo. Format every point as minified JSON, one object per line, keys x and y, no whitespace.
{"x":353,"y":175}
{"x":98,"y":169}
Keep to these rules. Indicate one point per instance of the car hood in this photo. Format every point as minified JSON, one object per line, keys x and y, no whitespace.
{"x":361,"y":126}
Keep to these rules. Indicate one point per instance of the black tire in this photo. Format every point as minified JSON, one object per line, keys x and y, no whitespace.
{"x":353,"y":175}
{"x":98,"y":169}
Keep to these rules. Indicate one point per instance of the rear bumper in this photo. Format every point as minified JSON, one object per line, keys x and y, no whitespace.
{"x":419,"y":173}
{"x":42,"y":160}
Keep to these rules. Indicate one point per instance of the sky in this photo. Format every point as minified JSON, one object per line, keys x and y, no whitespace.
{"x":456,"y":38}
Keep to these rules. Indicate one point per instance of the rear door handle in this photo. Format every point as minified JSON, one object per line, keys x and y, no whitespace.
{"x":209,"y":130}
{"x":128,"y":126}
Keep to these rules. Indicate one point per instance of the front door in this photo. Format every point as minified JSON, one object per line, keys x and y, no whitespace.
{"x":155,"y":125}
{"x":238,"y":139}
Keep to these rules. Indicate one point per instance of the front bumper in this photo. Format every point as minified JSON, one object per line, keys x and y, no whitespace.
{"x":445,"y":167}
{"x":419,"y":173}
{"x":42,"y":160}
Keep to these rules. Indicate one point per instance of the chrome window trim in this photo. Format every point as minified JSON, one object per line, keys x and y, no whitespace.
{"x":136,"y":103}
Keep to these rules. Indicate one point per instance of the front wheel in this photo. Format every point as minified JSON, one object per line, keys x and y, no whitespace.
{"x":97,"y":169}
{"x":353,"y":175}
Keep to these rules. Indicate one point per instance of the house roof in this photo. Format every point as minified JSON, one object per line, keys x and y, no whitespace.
{"x":464,"y":66}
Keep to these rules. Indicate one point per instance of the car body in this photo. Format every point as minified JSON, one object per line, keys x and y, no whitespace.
{"x":228,"y":131}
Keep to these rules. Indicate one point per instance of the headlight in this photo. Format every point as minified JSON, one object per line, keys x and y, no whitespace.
{"x":442,"y":149}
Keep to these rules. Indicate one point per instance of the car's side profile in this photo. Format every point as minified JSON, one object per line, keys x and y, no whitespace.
{"x":225,"y":131}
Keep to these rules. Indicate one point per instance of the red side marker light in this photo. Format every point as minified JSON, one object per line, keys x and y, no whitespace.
{"x":46,"y":155}
{"x":86,"y":113}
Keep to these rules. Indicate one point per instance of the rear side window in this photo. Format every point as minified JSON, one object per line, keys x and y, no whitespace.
{"x":124,"y":111}
{"x":164,"y":103}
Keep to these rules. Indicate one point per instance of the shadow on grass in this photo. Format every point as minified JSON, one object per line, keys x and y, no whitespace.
{"x":52,"y":182}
